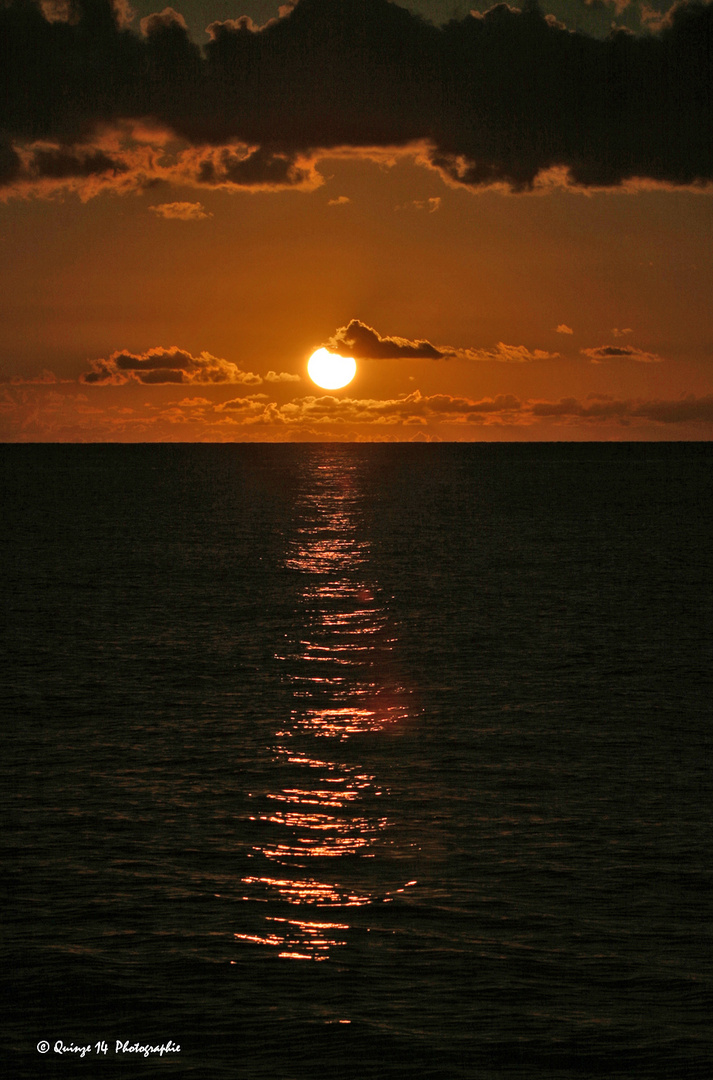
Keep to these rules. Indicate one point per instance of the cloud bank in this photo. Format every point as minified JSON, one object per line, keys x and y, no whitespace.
{"x":495,"y":98}
{"x":427,"y":409}
{"x":41,"y":413}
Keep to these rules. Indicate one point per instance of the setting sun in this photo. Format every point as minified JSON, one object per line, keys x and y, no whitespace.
{"x":329,"y":370}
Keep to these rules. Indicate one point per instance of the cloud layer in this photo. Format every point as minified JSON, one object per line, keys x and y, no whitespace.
{"x":496,"y":98}
{"x":30,"y":413}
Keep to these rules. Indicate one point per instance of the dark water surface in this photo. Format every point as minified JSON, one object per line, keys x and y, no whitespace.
{"x":358,"y":762}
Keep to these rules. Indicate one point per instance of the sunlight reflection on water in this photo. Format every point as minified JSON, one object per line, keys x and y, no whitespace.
{"x":337,"y":666}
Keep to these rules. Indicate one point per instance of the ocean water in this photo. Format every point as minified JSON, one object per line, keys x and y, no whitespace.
{"x":360,"y":761}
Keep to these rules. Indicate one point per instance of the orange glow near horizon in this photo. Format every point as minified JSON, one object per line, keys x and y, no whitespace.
{"x":525,"y":363}
{"x":490,"y":315}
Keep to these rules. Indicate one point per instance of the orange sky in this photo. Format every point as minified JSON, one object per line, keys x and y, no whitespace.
{"x":556,"y":309}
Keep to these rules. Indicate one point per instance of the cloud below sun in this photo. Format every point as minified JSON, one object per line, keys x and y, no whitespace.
{"x":54,"y":413}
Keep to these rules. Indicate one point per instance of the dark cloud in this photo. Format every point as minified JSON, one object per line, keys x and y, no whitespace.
{"x":603,"y":409}
{"x":259,"y":168}
{"x":621,"y":352}
{"x":158,"y":366}
{"x":124,"y":160}
{"x":501,"y":403}
{"x":687,"y":409}
{"x":59,"y":164}
{"x":500,"y":97}
{"x":10,"y":163}
{"x":363,"y":343}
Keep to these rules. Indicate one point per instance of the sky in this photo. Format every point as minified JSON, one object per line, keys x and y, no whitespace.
{"x":504,"y":215}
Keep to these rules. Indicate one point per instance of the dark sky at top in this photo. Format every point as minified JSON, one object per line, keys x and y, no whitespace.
{"x":500,"y":96}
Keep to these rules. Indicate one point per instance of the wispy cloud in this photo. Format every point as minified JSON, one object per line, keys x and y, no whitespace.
{"x":44,"y":378}
{"x":130,"y":157}
{"x":181,"y":211}
{"x":503,"y":354}
{"x":429,"y":205}
{"x":282,"y":376}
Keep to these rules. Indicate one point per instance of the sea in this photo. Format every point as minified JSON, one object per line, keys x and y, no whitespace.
{"x":357,"y":761}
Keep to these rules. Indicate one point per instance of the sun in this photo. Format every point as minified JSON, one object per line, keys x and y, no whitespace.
{"x":329,"y":370}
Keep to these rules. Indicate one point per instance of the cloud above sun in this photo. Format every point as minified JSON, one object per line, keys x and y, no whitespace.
{"x":506,"y":98}
{"x":364,"y":343}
